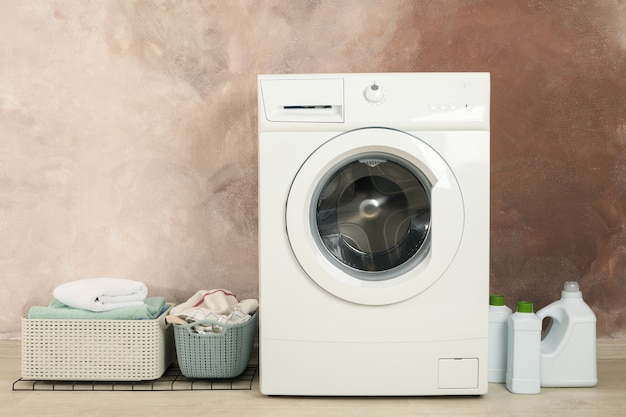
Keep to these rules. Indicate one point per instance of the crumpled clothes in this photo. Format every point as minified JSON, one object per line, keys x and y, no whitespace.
{"x":219,"y":305}
{"x":232,"y":318}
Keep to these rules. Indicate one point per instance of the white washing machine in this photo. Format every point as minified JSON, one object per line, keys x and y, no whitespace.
{"x":374,"y":233}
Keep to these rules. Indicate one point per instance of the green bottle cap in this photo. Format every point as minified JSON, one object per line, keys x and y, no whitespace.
{"x":524,"y":307}
{"x":496,"y":300}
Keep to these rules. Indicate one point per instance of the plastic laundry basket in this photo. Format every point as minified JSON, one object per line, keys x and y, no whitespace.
{"x":96,"y":350}
{"x":222,"y":354}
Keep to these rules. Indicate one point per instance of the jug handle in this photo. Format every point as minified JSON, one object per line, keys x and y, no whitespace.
{"x":554,"y":314}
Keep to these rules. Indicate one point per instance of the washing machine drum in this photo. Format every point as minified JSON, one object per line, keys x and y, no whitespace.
{"x":374,"y":216}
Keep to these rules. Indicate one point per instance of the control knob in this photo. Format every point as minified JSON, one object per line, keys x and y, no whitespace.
{"x":374,"y":93}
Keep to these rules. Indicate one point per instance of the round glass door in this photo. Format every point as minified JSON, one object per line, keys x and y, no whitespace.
{"x":373,"y":215}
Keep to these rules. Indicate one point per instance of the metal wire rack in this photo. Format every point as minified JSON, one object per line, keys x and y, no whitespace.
{"x":171,"y":380}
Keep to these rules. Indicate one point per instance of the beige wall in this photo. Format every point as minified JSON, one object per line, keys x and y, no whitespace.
{"x":128,"y":135}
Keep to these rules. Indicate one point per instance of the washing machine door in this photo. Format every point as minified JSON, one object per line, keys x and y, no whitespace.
{"x":374,"y":216}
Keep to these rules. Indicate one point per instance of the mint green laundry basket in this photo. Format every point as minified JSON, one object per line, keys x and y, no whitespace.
{"x":214,"y":355}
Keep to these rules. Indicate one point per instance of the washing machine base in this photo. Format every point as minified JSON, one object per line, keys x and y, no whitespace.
{"x":373,"y":369}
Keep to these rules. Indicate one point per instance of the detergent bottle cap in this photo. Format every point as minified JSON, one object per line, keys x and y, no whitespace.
{"x":571,"y":290}
{"x":496,"y":300}
{"x":525,"y":307}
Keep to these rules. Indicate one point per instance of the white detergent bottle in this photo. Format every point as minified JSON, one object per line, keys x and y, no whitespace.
{"x":523,"y":353}
{"x":568,"y":346}
{"x":499,"y":315}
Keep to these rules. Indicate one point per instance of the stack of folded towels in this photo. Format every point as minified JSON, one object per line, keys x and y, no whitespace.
{"x":101,"y":298}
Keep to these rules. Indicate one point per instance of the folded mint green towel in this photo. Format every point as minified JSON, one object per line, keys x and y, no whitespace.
{"x":152,"y":308}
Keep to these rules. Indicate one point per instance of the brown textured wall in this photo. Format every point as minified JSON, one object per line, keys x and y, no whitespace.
{"x":128,"y":134}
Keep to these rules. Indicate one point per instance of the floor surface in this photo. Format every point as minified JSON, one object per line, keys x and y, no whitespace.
{"x":607,"y":399}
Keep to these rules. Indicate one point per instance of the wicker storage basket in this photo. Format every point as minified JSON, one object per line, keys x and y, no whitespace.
{"x":214,"y":355}
{"x":96,"y":350}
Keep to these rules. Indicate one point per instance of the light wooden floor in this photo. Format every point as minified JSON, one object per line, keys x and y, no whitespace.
{"x":606,"y":400}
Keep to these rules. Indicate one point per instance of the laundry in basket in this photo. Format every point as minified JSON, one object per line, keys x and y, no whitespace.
{"x":214,"y":334}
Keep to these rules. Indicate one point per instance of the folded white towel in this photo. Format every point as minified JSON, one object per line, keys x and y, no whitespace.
{"x":101,"y":294}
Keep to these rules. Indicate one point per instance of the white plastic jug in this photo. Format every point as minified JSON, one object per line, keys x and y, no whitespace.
{"x":499,"y":315}
{"x":568,"y":345}
{"x":523,"y":351}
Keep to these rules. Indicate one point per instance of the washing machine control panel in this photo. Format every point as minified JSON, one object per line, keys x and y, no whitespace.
{"x":431,"y":101}
{"x":462,"y":99}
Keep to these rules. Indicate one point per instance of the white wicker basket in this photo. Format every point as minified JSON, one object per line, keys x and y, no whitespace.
{"x":96,"y":350}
